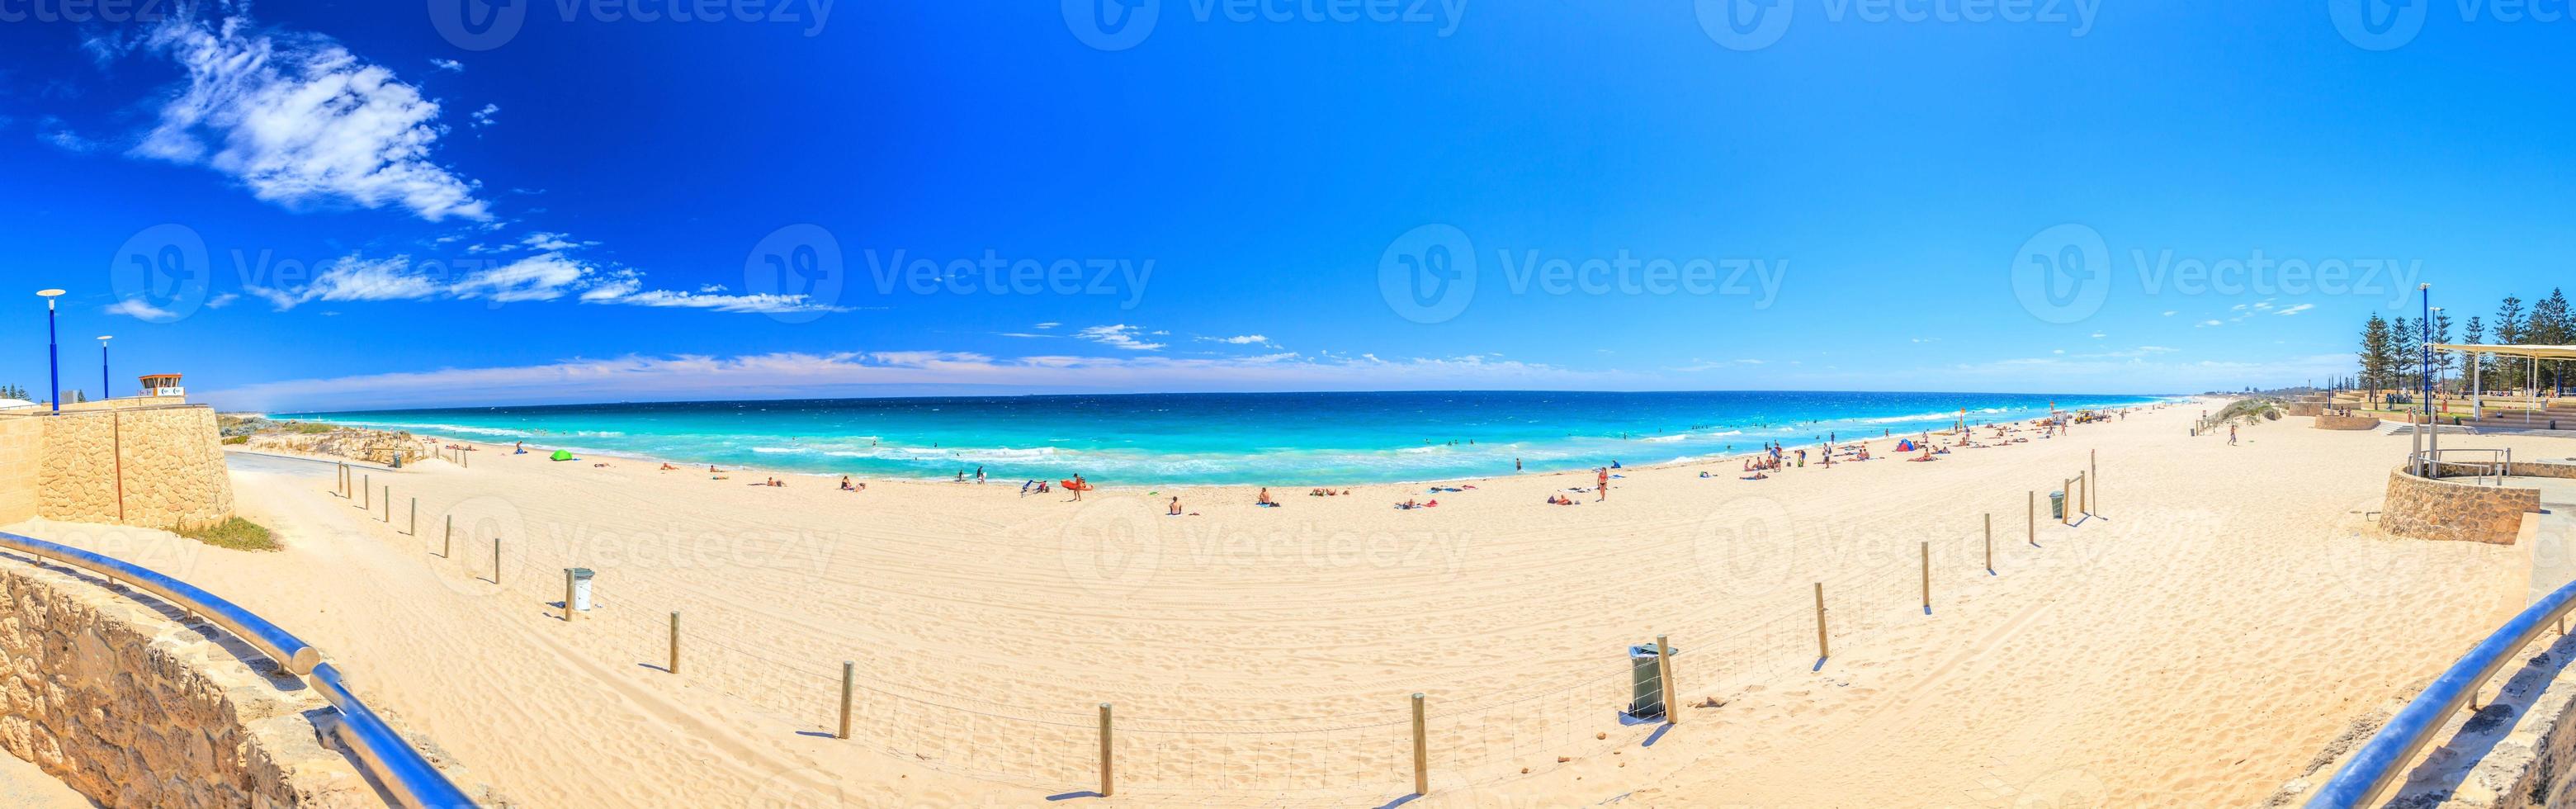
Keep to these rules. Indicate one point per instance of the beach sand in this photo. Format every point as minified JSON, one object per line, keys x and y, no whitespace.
{"x":2230,"y":612}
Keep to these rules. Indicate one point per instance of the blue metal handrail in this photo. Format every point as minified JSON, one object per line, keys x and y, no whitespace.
{"x":2383,"y":760}
{"x":394,"y":763}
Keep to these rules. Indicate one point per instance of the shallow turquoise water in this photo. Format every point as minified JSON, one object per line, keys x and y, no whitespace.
{"x":1260,"y":438}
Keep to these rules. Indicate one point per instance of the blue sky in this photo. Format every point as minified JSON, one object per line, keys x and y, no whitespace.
{"x":573,"y":204}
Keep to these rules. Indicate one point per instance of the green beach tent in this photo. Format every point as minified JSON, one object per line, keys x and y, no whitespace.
{"x":563,"y":455}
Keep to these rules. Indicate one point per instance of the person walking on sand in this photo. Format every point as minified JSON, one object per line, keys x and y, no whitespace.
{"x":2231,"y":435}
{"x":1601,"y":491}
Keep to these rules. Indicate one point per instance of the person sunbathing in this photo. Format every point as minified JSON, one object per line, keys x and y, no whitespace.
{"x":1265,"y":498}
{"x":669,"y":468}
{"x":1175,"y":510}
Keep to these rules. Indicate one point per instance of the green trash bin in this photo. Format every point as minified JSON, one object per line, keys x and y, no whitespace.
{"x":2057,"y":505}
{"x":1646,"y":682}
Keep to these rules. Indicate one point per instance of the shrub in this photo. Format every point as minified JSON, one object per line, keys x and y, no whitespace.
{"x":234,"y":532}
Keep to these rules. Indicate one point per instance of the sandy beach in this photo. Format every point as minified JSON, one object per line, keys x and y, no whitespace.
{"x":2219,"y":621}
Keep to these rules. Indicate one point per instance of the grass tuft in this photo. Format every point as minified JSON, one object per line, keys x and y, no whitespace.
{"x":235,"y":533}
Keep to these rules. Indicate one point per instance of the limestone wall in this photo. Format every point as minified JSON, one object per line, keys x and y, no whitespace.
{"x":2306,"y":408}
{"x":157,"y":467}
{"x":131,"y":708}
{"x":2419,"y":508}
{"x":22,"y":443}
{"x":2330,"y":421}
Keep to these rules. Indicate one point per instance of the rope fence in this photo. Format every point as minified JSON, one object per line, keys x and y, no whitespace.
{"x":1392,"y":745}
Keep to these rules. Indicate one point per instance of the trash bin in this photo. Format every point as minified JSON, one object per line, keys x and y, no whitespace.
{"x":2057,"y":505}
{"x":580,"y":588}
{"x":1646,"y":682}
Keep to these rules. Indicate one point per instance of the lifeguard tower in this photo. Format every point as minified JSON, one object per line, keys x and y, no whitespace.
{"x":163,"y":385}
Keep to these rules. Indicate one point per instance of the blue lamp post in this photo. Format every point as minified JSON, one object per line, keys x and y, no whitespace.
{"x":53,"y":351}
{"x":103,"y":378}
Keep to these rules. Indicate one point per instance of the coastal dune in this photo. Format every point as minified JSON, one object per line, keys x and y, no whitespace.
{"x":2229,"y":612}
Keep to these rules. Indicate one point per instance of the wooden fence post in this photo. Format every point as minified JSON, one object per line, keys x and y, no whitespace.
{"x":1927,"y":578}
{"x":674,"y":668}
{"x":1990,"y":543}
{"x":1664,"y":673}
{"x":2034,"y":519}
{"x":496,"y":560}
{"x":1824,"y":649}
{"x":568,"y":607}
{"x":415,"y":516}
{"x":1108,"y":785}
{"x":1421,"y":748}
{"x":366,"y":485}
{"x":849,"y":687}
{"x":447,"y":539}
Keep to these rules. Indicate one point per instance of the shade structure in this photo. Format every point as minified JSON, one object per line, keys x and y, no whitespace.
{"x":2533,"y":351}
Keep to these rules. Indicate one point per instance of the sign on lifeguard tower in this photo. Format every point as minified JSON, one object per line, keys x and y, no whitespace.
{"x":163,"y":385}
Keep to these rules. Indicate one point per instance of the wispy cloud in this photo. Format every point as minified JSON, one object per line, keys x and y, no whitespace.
{"x":2295,"y":309}
{"x":298,"y":119}
{"x":547,"y":276}
{"x":1120,"y":336}
{"x":855,"y":373}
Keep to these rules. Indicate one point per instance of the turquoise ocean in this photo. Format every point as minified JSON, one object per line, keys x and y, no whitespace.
{"x":1284,"y":439}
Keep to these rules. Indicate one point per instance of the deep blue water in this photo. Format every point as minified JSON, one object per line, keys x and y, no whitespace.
{"x":1264,"y":438}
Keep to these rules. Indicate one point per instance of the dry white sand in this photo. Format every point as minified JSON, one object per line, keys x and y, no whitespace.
{"x":2230,"y":613}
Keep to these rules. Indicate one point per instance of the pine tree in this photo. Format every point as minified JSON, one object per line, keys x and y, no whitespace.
{"x":2550,"y":325}
{"x":2377,"y":356}
{"x":2443,"y":361}
{"x":2477,"y":366}
{"x":2407,"y":347}
{"x":2509,"y":330}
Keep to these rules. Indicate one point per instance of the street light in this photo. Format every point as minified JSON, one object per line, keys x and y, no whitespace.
{"x":53,"y":352}
{"x":102,"y":367}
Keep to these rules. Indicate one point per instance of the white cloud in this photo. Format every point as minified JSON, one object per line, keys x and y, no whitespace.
{"x":1120,"y":336}
{"x":544,"y":277}
{"x":449,"y":65}
{"x":535,"y":278}
{"x":299,"y":120}
{"x":798,"y":374}
{"x":1046,"y":325}
{"x":483,"y":117}
{"x":553,"y":242}
{"x":138,"y":309}
{"x":2295,"y":309}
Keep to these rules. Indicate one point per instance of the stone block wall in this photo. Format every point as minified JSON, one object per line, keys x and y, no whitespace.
{"x":2419,"y":508}
{"x":158,"y":467}
{"x":2330,"y":421}
{"x":131,"y":708}
{"x":2306,"y":408}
